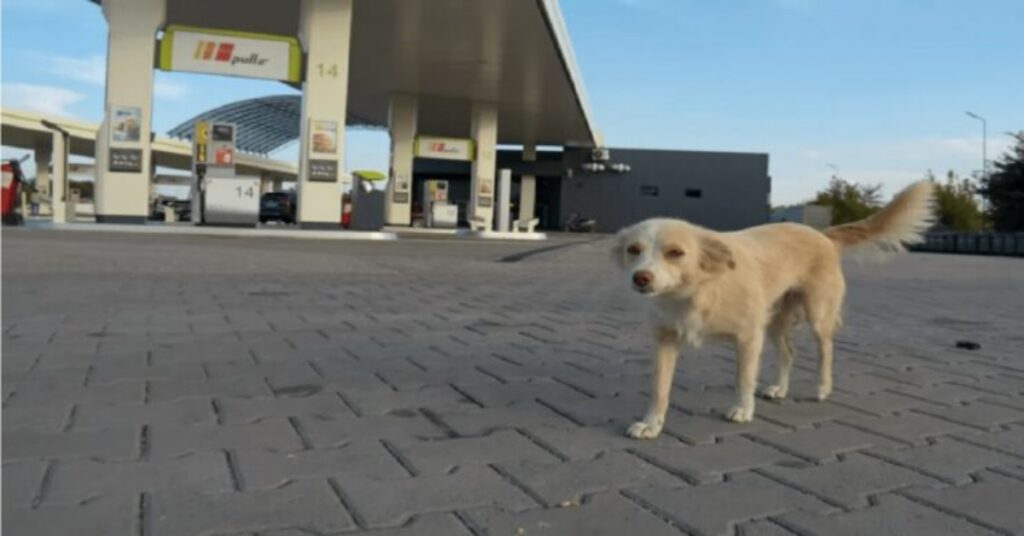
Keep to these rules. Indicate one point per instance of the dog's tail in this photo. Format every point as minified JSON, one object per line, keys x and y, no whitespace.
{"x":902,"y":221}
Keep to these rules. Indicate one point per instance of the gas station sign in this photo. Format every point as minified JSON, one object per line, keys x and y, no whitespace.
{"x":444,"y":148}
{"x":252,"y":55}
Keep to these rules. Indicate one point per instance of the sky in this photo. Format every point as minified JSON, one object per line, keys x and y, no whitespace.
{"x":877,"y":89}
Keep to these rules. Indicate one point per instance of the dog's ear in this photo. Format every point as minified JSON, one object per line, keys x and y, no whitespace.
{"x":715,"y":256}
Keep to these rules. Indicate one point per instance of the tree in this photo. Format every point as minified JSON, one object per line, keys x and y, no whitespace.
{"x":849,"y":201}
{"x":956,"y":203}
{"x":1004,"y":189}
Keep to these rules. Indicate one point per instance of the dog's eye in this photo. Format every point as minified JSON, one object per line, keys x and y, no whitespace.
{"x":633,"y":250}
{"x":674,"y":253}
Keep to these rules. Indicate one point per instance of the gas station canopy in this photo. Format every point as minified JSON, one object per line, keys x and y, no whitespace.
{"x":450,"y":53}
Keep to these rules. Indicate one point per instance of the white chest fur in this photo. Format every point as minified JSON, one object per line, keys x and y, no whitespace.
{"x":679,"y":315}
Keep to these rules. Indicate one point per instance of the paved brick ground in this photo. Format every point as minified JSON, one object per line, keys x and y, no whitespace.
{"x":163,"y":386}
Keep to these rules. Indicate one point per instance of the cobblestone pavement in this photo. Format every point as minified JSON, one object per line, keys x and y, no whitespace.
{"x":181,"y":386}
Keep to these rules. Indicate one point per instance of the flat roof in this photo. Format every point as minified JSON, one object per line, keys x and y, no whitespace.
{"x":515,"y":53}
{"x":24,"y":129}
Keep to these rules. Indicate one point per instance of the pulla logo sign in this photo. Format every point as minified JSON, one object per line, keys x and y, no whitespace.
{"x":444,"y":148}
{"x":232,"y":53}
{"x":224,"y":51}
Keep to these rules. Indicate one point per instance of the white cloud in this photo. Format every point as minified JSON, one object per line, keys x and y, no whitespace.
{"x":39,"y":98}
{"x":92,"y":70}
{"x":172,"y":91}
{"x":799,"y":172}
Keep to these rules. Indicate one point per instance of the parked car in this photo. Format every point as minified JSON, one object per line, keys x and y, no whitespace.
{"x":278,"y":206}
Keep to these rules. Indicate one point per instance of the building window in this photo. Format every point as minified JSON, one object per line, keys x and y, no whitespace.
{"x":694,"y":192}
{"x":649,"y":191}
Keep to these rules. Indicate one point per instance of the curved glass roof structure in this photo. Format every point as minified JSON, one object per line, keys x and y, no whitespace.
{"x":263,"y":124}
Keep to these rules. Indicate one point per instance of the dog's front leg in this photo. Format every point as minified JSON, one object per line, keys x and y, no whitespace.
{"x":748,"y":364}
{"x":668,"y":342}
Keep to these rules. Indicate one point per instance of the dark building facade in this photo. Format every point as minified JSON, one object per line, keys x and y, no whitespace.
{"x":719,"y":190}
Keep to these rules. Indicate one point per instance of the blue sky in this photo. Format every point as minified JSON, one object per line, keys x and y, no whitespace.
{"x":876,"y":88}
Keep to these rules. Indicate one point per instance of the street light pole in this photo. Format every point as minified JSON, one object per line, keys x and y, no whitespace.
{"x":984,"y":144}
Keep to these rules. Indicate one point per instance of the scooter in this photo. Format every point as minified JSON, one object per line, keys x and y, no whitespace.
{"x":579,"y":224}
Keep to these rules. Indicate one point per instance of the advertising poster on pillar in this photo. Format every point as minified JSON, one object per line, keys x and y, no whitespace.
{"x":485,"y":193}
{"x":323,"y":137}
{"x":125,"y":124}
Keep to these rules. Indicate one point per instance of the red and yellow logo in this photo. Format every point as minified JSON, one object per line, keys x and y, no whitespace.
{"x":224,"y":51}
{"x":205,"y":51}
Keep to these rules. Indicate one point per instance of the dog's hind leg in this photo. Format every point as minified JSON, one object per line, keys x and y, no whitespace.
{"x":823,"y":305}
{"x":669,"y":343}
{"x":779,"y":331}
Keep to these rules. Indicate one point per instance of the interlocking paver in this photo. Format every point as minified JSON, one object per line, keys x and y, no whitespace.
{"x":907,"y":427}
{"x":185,"y":411}
{"x":506,"y":394}
{"x":979,"y":415}
{"x":167,"y":441}
{"x":704,"y":430}
{"x":77,"y":481}
{"x":824,"y":442}
{"x":581,"y":442}
{"x":388,"y":502}
{"x":707,"y":463}
{"x":45,"y":418}
{"x":308,"y":504}
{"x":994,"y":501}
{"x":234,"y":410}
{"x":881,"y":403}
{"x":1010,"y":441}
{"x":893,"y":515}
{"x":324,"y":432}
{"x":184,"y":372}
{"x":50,"y":393}
{"x":420,"y":525}
{"x":265,"y":468}
{"x":470,"y":422}
{"x":947,"y":459}
{"x":849,"y":482}
{"x":116,"y":443}
{"x":383,"y":401}
{"x":714,"y":509}
{"x":604,"y":514}
{"x":282,"y":388}
{"x":21,"y":482}
{"x":555,"y":483}
{"x":101,"y":517}
{"x":164,"y":390}
{"x":440,"y":456}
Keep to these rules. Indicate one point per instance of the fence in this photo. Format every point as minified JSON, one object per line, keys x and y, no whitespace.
{"x":1011,"y":244}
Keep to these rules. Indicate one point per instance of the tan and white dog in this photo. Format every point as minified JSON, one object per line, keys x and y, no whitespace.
{"x":741,"y":285}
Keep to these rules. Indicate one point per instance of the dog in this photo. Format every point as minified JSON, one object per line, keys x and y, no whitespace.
{"x":741,"y":286}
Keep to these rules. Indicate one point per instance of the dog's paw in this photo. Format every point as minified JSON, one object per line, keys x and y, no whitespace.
{"x":644,"y":430}
{"x":740,"y":414}
{"x":774,"y":392}
{"x":823,"y":392}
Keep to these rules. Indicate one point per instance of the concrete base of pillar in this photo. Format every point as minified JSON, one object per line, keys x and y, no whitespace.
{"x":111,"y":218}
{"x":321,"y":225}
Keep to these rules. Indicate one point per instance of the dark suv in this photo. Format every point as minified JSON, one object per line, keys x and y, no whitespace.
{"x":277,"y":206}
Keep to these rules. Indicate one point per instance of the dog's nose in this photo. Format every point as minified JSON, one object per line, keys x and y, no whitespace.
{"x":642,"y":278}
